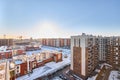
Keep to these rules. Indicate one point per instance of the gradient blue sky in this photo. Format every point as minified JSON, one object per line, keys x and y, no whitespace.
{"x":59,"y":18}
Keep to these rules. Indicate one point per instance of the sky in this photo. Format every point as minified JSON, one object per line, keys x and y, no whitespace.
{"x":59,"y":18}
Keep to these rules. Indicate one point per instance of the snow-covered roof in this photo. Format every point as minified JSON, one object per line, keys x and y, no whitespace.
{"x":49,"y":68}
{"x":18,"y":62}
{"x":113,"y":75}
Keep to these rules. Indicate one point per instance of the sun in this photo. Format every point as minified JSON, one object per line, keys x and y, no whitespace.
{"x":48,"y":29}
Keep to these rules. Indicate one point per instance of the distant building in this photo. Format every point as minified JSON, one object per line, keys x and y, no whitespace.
{"x":6,"y":42}
{"x":84,"y":53}
{"x":56,"y":42}
{"x":22,"y":42}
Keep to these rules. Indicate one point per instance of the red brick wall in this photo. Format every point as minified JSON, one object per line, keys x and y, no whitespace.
{"x":23,"y":69}
{"x":68,"y":42}
{"x":61,"y":42}
{"x":19,"y":52}
{"x":40,"y":64}
{"x":48,"y":60}
{"x":56,"y":57}
{"x":5,"y":55}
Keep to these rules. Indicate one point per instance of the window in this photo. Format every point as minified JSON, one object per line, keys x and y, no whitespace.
{"x":116,"y":48}
{"x":116,"y":58}
{"x":116,"y":53}
{"x":116,"y":62}
{"x":116,"y":39}
{"x":116,"y":43}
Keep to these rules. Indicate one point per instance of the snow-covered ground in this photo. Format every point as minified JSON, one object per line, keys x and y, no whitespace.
{"x":56,"y":78}
{"x":49,"y":67}
{"x":3,"y":48}
{"x":47,"y":48}
{"x":98,"y":70}
{"x":114,"y":75}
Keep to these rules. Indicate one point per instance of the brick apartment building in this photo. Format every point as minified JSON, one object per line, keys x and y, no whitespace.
{"x":25,"y":64}
{"x":109,"y":50}
{"x":88,"y":51}
{"x":113,"y":52}
{"x":56,"y":42}
{"x":84,"y":53}
{"x":102,"y":48}
{"x":6,"y":42}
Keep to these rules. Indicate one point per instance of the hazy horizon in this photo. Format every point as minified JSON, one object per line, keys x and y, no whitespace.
{"x":59,"y":18}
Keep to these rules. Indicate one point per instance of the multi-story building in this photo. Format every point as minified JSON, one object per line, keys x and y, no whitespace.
{"x":84,"y":53}
{"x":87,"y":51}
{"x":26,"y":63}
{"x":3,"y":71}
{"x":56,"y":42}
{"x":6,"y":42}
{"x":102,"y":48}
{"x":113,"y":56}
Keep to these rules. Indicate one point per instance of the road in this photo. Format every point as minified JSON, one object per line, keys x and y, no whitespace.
{"x":59,"y":73}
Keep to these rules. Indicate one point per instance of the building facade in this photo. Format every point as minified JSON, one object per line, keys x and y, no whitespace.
{"x":6,"y":42}
{"x":102,"y":48}
{"x":88,"y":51}
{"x":84,"y":53}
{"x":113,"y":56}
{"x":56,"y":42}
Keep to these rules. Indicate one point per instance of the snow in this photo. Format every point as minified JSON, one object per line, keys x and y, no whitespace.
{"x":18,"y":62}
{"x":3,"y":48}
{"x":33,"y":52}
{"x":97,"y":70}
{"x":47,"y":48}
{"x":92,"y":78}
{"x":56,"y":78}
{"x":50,"y":67}
{"x":114,"y":75}
{"x":47,"y":69}
{"x":64,"y":51}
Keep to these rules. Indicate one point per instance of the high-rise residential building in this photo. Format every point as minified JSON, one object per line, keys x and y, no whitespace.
{"x":102,"y":48}
{"x":56,"y":42}
{"x":87,"y":51}
{"x":113,"y":56}
{"x":84,"y":54}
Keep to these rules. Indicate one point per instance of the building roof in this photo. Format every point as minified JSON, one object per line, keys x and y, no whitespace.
{"x":18,"y":62}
